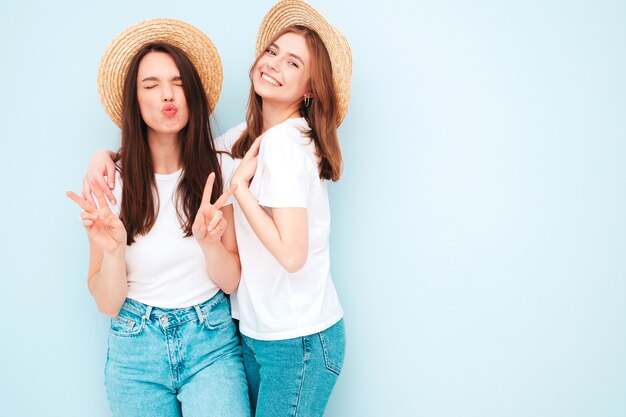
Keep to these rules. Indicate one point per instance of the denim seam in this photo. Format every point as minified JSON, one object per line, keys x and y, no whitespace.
{"x":305,"y":360}
{"x":178,"y":323}
{"x":125,"y":322}
{"x":215,"y":300}
{"x":207,"y":314}
{"x":329,"y":365}
{"x":174,"y":368}
{"x":106,"y":387}
{"x":220,"y":327}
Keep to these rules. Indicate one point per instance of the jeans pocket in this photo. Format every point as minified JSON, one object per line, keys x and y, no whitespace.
{"x":127,"y":324}
{"x":333,"y":342}
{"x":217,"y":314}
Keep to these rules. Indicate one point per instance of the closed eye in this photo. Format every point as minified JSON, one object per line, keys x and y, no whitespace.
{"x":177,"y":81}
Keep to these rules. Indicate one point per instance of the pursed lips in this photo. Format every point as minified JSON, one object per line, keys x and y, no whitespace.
{"x":169,"y":110}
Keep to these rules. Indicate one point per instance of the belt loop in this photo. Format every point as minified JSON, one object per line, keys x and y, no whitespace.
{"x":199,"y":313}
{"x":146,"y":316}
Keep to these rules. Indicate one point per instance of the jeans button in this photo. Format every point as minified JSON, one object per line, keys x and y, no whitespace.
{"x":164,"y":320}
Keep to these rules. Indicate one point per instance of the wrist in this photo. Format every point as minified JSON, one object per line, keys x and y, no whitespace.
{"x":117,"y":253}
{"x":210,"y":248}
{"x":239,"y":182}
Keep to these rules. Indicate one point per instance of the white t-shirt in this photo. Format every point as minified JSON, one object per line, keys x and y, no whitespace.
{"x":165,"y":268}
{"x":271,"y":303}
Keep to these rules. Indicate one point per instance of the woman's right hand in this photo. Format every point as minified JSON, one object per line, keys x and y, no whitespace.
{"x":210,"y":225}
{"x":247,"y":166}
{"x":103,"y":227}
{"x":100,"y":166}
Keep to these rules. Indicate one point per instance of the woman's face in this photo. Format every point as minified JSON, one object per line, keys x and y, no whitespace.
{"x":160,"y":94}
{"x":282,"y":74}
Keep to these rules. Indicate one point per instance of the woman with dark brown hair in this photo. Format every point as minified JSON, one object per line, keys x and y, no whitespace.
{"x":162,"y":259}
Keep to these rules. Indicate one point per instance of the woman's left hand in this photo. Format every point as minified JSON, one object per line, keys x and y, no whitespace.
{"x":210,"y":224}
{"x":247,"y":167}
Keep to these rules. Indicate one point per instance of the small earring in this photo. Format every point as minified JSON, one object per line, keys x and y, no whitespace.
{"x":307,"y":101}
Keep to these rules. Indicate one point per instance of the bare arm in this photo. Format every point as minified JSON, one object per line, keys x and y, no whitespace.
{"x":215,"y":232}
{"x":107,"y":253}
{"x":107,"y":279}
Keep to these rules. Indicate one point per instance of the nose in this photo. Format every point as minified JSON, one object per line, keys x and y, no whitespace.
{"x":167,"y":93}
{"x":272,"y":64}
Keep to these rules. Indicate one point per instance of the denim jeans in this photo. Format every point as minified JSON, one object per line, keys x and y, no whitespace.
{"x":293,"y":377}
{"x":173,"y":362}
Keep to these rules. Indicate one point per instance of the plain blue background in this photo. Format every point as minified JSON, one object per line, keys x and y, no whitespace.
{"x":479,"y":230}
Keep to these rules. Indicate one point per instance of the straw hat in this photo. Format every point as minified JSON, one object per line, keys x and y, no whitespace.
{"x":296,"y":12}
{"x":116,"y":59}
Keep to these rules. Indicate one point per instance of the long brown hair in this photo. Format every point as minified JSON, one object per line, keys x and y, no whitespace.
{"x":140,"y":200}
{"x":321,"y":114}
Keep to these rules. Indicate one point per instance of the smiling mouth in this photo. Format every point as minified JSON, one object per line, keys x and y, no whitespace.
{"x":270,"y":80}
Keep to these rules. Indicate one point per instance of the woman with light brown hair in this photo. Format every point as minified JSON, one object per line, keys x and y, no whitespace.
{"x":290,"y":316}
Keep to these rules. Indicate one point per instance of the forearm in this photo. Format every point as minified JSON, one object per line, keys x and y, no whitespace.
{"x":222,"y":266}
{"x":291,"y":254}
{"x":108,"y":281}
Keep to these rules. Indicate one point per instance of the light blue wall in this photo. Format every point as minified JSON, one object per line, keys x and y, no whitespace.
{"x":479,"y":230}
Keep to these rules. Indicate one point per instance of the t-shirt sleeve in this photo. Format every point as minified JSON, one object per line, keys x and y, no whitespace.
{"x":223,"y":145}
{"x":286,"y":174}
{"x":227,"y":165}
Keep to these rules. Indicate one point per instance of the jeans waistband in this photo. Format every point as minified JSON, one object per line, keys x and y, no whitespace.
{"x":182,"y":314}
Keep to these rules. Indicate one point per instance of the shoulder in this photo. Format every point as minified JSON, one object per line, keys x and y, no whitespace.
{"x":225,"y":142}
{"x":290,"y":133}
{"x":288,"y":145}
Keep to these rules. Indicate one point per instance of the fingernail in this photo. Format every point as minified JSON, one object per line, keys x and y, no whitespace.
{"x":111,"y":185}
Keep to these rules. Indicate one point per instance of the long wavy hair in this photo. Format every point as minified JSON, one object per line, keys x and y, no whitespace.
{"x":321,"y":114}
{"x":140,"y":200}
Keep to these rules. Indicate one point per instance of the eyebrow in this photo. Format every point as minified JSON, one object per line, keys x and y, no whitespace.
{"x":289,"y":54}
{"x":177,"y":78}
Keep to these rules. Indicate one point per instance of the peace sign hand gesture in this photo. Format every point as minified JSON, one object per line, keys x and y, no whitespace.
{"x":210,"y":223}
{"x":103,"y":227}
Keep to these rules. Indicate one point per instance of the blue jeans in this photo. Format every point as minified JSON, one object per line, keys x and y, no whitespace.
{"x":173,"y":362}
{"x":293,"y":377}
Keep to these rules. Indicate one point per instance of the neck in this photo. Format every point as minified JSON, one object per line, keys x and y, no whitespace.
{"x":165,"y":151}
{"x":275,"y":114}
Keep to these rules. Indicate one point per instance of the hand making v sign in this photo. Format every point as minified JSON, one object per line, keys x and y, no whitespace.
{"x":210,"y":223}
{"x":103,"y":227}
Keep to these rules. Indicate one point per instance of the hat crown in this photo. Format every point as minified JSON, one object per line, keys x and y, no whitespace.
{"x":117,"y":57}
{"x":288,"y":13}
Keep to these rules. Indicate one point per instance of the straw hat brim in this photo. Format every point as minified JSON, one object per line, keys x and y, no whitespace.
{"x":118,"y":55}
{"x":287,"y":13}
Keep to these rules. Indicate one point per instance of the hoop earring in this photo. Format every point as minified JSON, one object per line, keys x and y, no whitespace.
{"x":307,"y":101}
